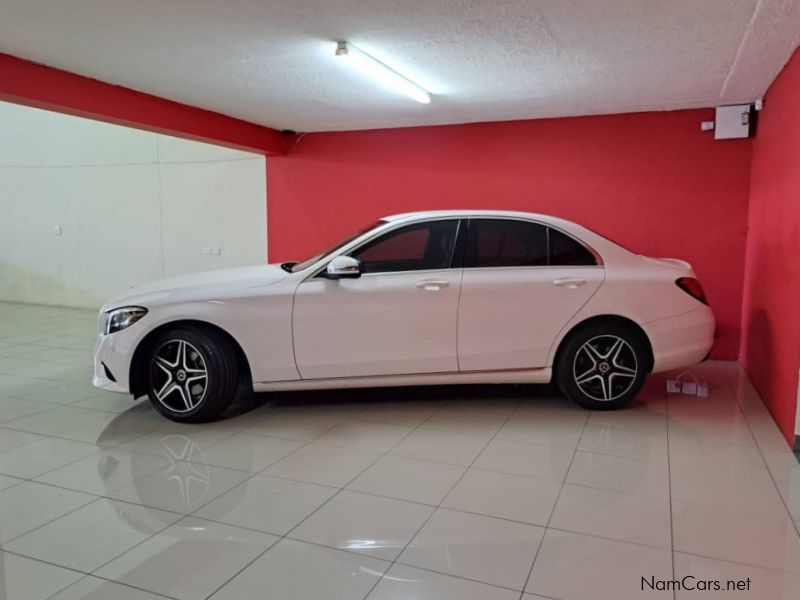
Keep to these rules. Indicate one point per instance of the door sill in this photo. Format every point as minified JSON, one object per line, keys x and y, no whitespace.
{"x":541,"y":375}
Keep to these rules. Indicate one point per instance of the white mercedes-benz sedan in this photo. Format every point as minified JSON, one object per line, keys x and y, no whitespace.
{"x":422,"y":298}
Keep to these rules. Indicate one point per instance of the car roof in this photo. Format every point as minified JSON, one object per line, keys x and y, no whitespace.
{"x":436,"y":214}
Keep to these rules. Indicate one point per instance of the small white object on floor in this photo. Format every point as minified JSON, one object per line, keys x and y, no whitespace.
{"x":687,"y":383}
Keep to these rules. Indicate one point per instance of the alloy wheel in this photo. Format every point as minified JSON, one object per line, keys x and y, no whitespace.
{"x":179,"y":376}
{"x":605,"y":368}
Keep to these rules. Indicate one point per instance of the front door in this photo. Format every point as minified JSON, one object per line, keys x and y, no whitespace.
{"x":399,"y":317}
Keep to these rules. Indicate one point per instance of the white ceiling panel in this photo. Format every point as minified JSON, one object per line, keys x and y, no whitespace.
{"x":272,"y":62}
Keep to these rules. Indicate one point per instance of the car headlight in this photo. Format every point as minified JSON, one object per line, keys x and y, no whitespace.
{"x":120,"y":318}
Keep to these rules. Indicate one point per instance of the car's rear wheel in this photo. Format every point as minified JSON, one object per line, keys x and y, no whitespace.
{"x":602,"y":366}
{"x":193,"y":374}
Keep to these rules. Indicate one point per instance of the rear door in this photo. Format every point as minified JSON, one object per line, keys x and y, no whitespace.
{"x":522,"y":282}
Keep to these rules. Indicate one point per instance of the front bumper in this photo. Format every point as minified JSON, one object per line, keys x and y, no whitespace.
{"x":681,"y":340}
{"x":112,"y":354}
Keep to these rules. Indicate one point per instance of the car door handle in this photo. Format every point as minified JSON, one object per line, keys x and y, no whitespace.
{"x":569,"y":282}
{"x":432,"y":285}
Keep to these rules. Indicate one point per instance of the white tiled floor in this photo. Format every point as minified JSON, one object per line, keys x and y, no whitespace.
{"x":432,"y":494}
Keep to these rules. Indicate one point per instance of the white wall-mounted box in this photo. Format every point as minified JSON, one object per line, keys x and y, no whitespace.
{"x":732,"y":122}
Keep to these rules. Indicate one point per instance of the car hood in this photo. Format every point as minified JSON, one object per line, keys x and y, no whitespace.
{"x":210,"y":285}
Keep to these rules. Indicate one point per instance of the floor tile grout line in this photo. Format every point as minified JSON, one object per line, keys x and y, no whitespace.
{"x":44,"y":562}
{"x":377,"y":458}
{"x":444,"y":497}
{"x":286,"y":534}
{"x":4,"y":548}
{"x":52,"y":405}
{"x":77,"y":581}
{"x":766,"y":464}
{"x":36,"y":480}
{"x":739,"y":563}
{"x":95,"y":497}
{"x":303,"y":444}
{"x":332,"y":487}
{"x":429,"y":570}
{"x":233,"y":432}
{"x":555,"y":504}
{"x":572,"y":483}
{"x":739,"y":407}
{"x":386,"y":453}
{"x":182,"y":516}
{"x":13,"y":485}
{"x":71,"y":404}
{"x":127,"y":585}
{"x":485,"y":470}
{"x":84,"y":573}
{"x":669,"y":487}
{"x":94,"y":500}
{"x":627,"y":430}
{"x":67,"y":464}
{"x":549,"y":528}
{"x":66,"y":439}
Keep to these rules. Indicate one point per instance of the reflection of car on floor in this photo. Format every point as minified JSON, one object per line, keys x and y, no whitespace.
{"x":168,"y":470}
{"x":415,"y":299}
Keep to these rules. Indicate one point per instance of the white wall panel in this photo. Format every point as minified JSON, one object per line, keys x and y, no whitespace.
{"x":40,"y":138}
{"x":132,"y":206}
{"x":96,"y":254}
{"x":230,"y":196}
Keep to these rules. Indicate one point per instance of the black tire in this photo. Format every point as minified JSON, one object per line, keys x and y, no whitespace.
{"x":602,"y":366}
{"x":204,"y":349}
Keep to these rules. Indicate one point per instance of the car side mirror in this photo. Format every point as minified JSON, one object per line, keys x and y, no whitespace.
{"x":343,"y":267}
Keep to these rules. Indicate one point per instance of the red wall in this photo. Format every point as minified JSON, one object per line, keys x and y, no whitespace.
{"x":651,"y":181}
{"x":771,"y":308}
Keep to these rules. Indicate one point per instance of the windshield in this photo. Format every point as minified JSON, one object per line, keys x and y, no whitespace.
{"x":310,"y":261}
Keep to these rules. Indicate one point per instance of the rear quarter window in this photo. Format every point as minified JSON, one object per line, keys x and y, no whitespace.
{"x":566,"y":251}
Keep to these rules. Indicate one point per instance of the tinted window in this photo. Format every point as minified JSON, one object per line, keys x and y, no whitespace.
{"x":506,"y":243}
{"x":413,"y":248}
{"x":565,"y":251}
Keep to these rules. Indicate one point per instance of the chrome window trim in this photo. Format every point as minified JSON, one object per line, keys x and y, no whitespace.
{"x":356,"y":244}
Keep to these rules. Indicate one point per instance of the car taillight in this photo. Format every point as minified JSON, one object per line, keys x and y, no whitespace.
{"x":691,"y":286}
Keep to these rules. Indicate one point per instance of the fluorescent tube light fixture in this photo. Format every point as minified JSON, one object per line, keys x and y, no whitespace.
{"x":381,"y":73}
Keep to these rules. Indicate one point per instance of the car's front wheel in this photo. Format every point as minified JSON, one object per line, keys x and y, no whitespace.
{"x":193,"y":374}
{"x":602,"y":366}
